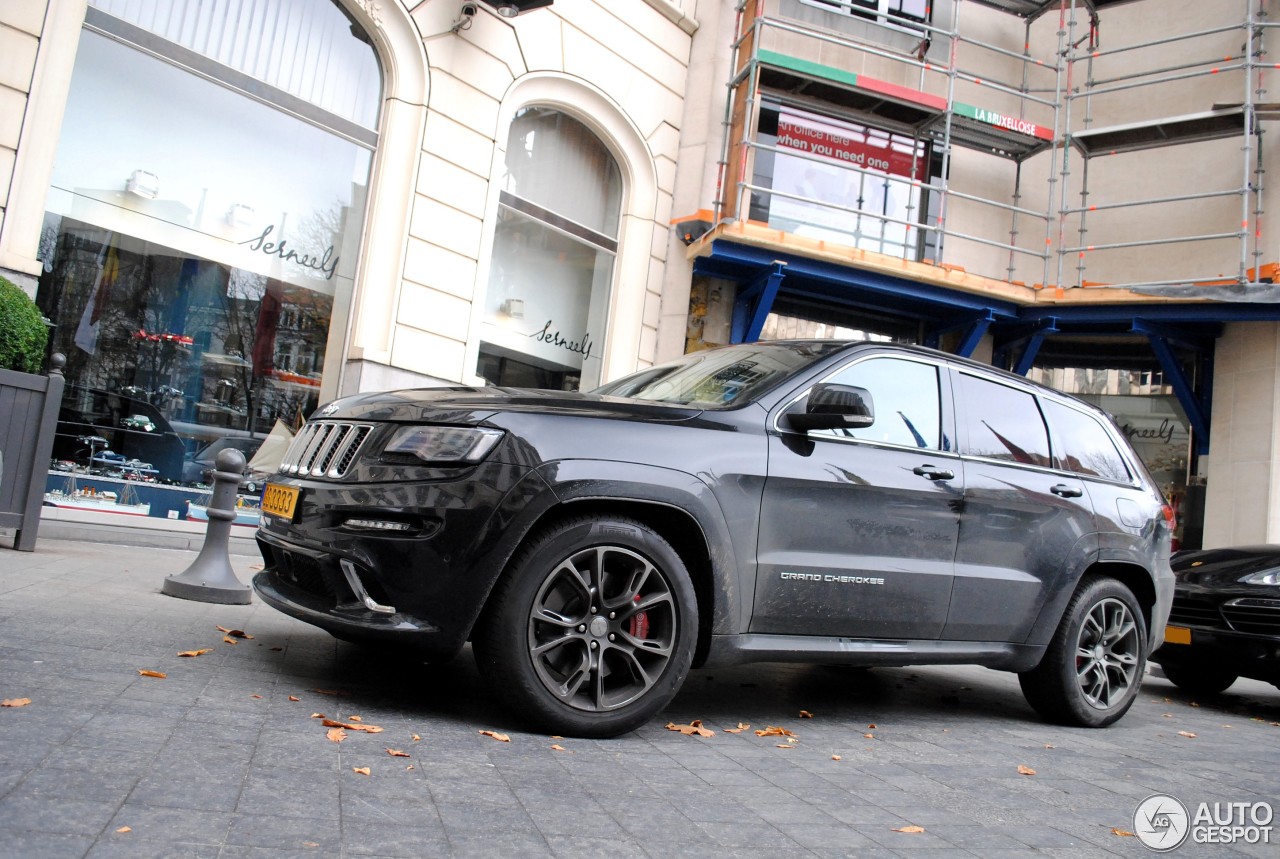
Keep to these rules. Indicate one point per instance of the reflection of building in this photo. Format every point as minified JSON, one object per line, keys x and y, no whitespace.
{"x":367,"y":195}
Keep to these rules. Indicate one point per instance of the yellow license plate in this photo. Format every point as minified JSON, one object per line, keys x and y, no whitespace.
{"x":1177,"y":635}
{"x":280,"y":501}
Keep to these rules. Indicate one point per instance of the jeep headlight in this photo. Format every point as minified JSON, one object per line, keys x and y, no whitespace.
{"x":444,"y":445}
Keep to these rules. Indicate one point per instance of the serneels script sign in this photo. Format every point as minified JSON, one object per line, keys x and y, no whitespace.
{"x":326,"y":264}
{"x":555,"y":338}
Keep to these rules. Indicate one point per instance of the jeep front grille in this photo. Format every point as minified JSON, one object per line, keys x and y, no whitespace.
{"x":324,"y":449}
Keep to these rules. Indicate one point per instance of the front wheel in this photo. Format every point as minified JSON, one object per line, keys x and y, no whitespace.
{"x":1199,"y":678}
{"x":1090,"y":674}
{"x":592,"y":628}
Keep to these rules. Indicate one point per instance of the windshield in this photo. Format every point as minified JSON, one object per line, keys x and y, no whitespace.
{"x":720,"y":378}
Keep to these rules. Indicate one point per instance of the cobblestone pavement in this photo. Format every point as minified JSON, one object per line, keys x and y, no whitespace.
{"x":223,"y":757}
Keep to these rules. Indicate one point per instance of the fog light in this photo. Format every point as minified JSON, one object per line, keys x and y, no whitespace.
{"x":378,"y":525}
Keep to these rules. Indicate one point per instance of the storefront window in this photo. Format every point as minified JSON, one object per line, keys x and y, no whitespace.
{"x":837,"y":180}
{"x":553,"y":255}
{"x":202,"y":232}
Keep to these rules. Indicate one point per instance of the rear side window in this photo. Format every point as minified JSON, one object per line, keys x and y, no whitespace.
{"x":1082,"y":445}
{"x":1002,"y":423}
{"x":906,"y":400}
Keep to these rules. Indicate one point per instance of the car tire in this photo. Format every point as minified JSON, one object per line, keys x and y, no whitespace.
{"x":1199,"y":678}
{"x":591,"y":629}
{"x":1090,"y":674}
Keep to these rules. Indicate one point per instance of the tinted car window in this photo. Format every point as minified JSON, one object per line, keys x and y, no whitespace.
{"x":719,"y":378}
{"x":1082,"y":445}
{"x":904,"y":395}
{"x":1002,"y":423}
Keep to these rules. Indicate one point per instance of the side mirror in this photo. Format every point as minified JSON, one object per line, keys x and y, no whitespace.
{"x":831,"y":406}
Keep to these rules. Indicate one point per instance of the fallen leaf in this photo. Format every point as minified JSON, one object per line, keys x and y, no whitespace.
{"x":409,"y":767}
{"x":872,"y":727}
{"x":1193,"y":704}
{"x":317,"y":715}
{"x":911,"y":828}
{"x":1187,"y":734}
{"x":326,"y":691}
{"x":742,"y":726}
{"x":259,"y":697}
{"x":228,"y":640}
{"x":355,"y":719}
{"x":1123,"y":833}
{"x":556,"y":747}
{"x":336,"y":735}
{"x":502,"y":738}
{"x":311,"y":844}
{"x":785,"y":746}
{"x":366,"y":729}
{"x":294,"y":698}
{"x":235,"y":633}
{"x":396,"y":753}
{"x":360,"y":770}
{"x":124,"y":829}
{"x":1167,"y":715}
{"x":836,"y":758}
{"x":774,"y":731}
{"x":805,"y":714}
{"x":1050,"y":746}
{"x":869,"y":736}
{"x":416,"y":738}
{"x":15,"y":702}
{"x":695,"y":728}
{"x":195,"y":652}
{"x":1025,"y":770}
{"x":147,"y":672}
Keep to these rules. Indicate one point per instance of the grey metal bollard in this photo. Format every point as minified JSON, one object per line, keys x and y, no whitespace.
{"x":210,"y":577}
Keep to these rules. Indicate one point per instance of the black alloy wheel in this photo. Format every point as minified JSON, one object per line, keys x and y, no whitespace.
{"x":592,"y":629}
{"x":1199,"y":678}
{"x":1090,"y":674}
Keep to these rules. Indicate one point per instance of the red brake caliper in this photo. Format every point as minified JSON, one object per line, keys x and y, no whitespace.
{"x":638,"y":626}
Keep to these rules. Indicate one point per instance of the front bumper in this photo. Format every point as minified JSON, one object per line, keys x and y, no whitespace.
{"x":422,"y":589}
{"x":1254,"y":656}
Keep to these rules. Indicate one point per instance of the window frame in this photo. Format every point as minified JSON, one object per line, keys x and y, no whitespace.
{"x":946,"y":407}
{"x":880,"y":11}
{"x":964,"y":424}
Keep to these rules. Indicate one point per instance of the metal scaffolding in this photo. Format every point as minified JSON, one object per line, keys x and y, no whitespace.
{"x":1054,"y":94}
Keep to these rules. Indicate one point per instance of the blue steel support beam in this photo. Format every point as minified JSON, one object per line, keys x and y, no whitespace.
{"x":752,"y":305}
{"x":1173,"y":374}
{"x":974,"y":336}
{"x":1034,"y":342}
{"x":974,"y":327}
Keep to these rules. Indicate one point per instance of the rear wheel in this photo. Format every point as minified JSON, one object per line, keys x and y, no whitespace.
{"x":1199,"y":678}
{"x":1091,"y":672}
{"x":592,"y":629}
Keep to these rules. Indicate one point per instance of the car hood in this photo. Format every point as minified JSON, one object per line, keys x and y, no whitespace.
{"x":474,"y":405}
{"x":1219,"y":569}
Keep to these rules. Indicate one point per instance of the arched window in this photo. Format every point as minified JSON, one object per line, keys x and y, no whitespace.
{"x":553,"y":255}
{"x":204,"y":219}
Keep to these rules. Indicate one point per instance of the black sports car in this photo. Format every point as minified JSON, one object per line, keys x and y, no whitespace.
{"x":1225,"y":622}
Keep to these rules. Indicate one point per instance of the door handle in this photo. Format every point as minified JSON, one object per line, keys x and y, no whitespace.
{"x":933,"y":473}
{"x":1066,"y":491}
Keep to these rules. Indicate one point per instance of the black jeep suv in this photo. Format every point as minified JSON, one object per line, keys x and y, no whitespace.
{"x":844,"y":503}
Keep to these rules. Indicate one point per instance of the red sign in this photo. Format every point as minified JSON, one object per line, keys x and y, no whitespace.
{"x":830,"y":143}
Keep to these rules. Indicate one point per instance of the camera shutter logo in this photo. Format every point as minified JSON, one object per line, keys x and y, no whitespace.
{"x":1161,"y":822}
